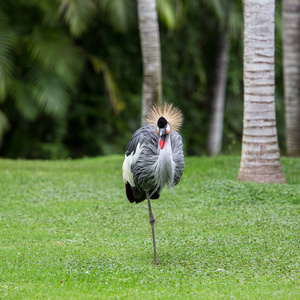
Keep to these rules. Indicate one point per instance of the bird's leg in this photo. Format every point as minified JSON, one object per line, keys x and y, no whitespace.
{"x":152,"y":221}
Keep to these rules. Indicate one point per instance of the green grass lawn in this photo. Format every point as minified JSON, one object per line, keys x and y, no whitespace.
{"x":67,"y":231}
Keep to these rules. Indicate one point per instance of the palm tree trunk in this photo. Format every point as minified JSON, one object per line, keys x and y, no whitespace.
{"x":150,"y":45}
{"x":260,"y":161}
{"x":291,"y":72}
{"x":215,"y":134}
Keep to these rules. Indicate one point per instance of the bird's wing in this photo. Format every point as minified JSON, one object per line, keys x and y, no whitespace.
{"x":178,"y":157}
{"x":133,"y":151}
{"x":141,"y":140}
{"x":143,"y":168}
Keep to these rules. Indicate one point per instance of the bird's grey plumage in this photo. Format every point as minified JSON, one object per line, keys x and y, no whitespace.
{"x":155,"y":167}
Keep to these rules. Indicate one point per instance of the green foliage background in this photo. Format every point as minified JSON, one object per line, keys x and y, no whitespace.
{"x":71,"y":74}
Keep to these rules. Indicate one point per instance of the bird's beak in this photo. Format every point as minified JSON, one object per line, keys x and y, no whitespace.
{"x":162,"y":131}
{"x":162,"y":141}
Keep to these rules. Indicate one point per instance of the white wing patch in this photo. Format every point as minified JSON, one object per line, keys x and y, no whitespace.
{"x":128,"y":162}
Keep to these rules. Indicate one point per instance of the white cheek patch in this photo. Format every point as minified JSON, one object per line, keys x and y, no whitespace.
{"x":168,"y":129}
{"x":128,"y":162}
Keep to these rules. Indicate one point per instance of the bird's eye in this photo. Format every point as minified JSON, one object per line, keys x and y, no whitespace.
{"x":167,"y":129}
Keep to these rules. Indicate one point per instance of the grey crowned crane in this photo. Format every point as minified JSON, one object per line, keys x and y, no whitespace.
{"x":154,"y":158}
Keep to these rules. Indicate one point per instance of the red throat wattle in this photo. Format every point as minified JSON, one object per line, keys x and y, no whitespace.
{"x":162,"y":142}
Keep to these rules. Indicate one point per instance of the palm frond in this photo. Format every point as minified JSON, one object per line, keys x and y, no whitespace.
{"x":113,"y":93}
{"x":24,"y":99}
{"x":121,"y":14}
{"x":70,"y":66}
{"x":54,"y":51}
{"x":170,"y":12}
{"x":166,"y":13}
{"x":48,"y":11}
{"x":78,"y":14}
{"x":8,"y":42}
{"x":49,"y":91}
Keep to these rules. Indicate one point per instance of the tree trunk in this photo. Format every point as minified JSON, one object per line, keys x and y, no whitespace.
{"x":291,"y":73}
{"x":150,"y":45}
{"x":215,"y":134}
{"x":260,"y":161}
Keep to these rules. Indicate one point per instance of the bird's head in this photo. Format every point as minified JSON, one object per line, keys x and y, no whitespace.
{"x":165,"y":118}
{"x":163,"y":128}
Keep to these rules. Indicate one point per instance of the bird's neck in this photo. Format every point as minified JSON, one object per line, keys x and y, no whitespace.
{"x":167,"y":147}
{"x":165,"y":164}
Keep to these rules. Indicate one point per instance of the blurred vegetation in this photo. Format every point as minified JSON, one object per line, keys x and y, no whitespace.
{"x":71,"y":74}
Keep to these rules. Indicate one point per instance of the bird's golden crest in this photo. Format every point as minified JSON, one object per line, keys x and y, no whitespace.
{"x":171,"y":113}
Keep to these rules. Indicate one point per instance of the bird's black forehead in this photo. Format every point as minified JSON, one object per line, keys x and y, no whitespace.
{"x":162,"y":122}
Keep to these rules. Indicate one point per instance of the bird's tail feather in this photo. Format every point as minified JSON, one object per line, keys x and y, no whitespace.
{"x":129,"y":192}
{"x":134,"y":195}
